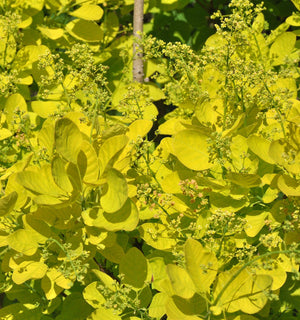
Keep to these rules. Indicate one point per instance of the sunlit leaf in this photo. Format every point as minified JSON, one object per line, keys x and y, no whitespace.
{"x":59,"y":174}
{"x":8,"y":202}
{"x":182,"y":284}
{"x":201,"y":264}
{"x":47,"y":108}
{"x":23,"y":241}
{"x":13,"y":104}
{"x":282,"y":47}
{"x":156,"y":235}
{"x":93,"y":296}
{"x":88,"y":12}
{"x":178,"y":308}
{"x":190,"y":147}
{"x":288,"y":185}
{"x":157,"y":307}
{"x":255,"y":222}
{"x":116,"y":193}
{"x":245,"y":292}
{"x":87,"y":162}
{"x":40,"y":181}
{"x":29,"y":270}
{"x":85,"y":30}
{"x":52,"y":33}
{"x":104,"y":314}
{"x":260,"y":146}
{"x":5,"y":133}
{"x":124,"y":219}
{"x":68,"y":139}
{"x":109,"y":149}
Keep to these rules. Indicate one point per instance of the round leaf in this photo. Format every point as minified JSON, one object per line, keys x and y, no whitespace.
{"x":23,"y":241}
{"x":68,"y":139}
{"x":190,"y":147}
{"x":117,"y":192}
{"x":85,"y":30}
{"x":88,"y":12}
{"x":134,"y":267}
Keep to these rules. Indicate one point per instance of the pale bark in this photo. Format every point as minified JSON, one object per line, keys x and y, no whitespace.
{"x":138,"y":17}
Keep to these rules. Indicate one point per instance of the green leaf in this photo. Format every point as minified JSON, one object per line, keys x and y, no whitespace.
{"x":40,"y":181}
{"x":182,"y":284}
{"x":244,"y":179}
{"x":260,"y":146}
{"x":47,"y":108}
{"x":178,"y":308}
{"x":278,"y":151}
{"x":296,"y":3}
{"x":68,"y":139}
{"x":29,"y":270}
{"x":190,"y":147}
{"x":156,"y":235}
{"x":114,"y":253}
{"x":105,"y":279}
{"x":92,"y":295}
{"x":7,"y":47}
{"x":116,"y":193}
{"x":245,"y":317}
{"x":87,"y":162}
{"x":14,"y":186}
{"x":104,"y":314}
{"x":245,"y":292}
{"x":88,"y":12}
{"x":239,"y":148}
{"x":51,"y":33}
{"x":40,"y":230}
{"x":5,"y":133}
{"x":23,"y":295}
{"x":282,"y":47}
{"x":110,"y":26}
{"x":172,"y":126}
{"x":13,"y":103}
{"x":125,"y":219}
{"x":60,"y":175}
{"x":219,"y":201}
{"x":259,"y":23}
{"x":46,"y":136}
{"x":74,"y":307}
{"x":157,"y":307}
{"x":17,"y":311}
{"x":255,"y":222}
{"x":201,"y":264}
{"x":27,"y":55}
{"x":85,"y":30}
{"x":139,"y":128}
{"x":54,"y":282}
{"x":109,"y":149}
{"x":23,"y":241}
{"x":7,"y":203}
{"x":293,"y":20}
{"x":289,"y":186}
{"x":158,"y":272}
{"x":134,"y":267}
{"x":278,"y":275}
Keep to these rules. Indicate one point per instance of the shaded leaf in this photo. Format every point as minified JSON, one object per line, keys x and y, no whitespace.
{"x":134,"y":267}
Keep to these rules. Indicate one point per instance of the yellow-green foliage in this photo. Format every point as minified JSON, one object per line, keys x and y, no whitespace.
{"x":96,"y":221}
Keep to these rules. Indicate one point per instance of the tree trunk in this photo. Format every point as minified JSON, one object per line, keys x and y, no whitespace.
{"x":138,"y":67}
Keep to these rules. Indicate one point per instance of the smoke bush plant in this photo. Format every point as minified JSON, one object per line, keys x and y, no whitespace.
{"x":98,"y":222}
